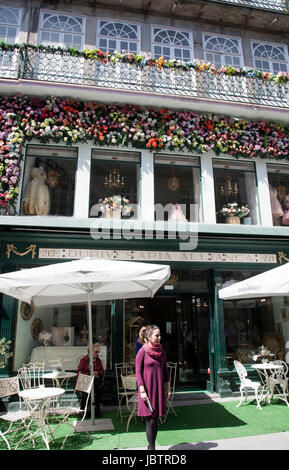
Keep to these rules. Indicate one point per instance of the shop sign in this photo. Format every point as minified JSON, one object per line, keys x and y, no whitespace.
{"x":161,"y":256}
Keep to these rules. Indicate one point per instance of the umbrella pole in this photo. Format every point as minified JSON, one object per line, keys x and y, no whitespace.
{"x":89,"y":318}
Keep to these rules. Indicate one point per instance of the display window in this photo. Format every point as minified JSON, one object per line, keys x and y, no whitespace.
{"x":114,"y":184}
{"x":177,"y":188}
{"x":252,"y":323}
{"x":49,"y":181}
{"x":278,"y":178}
{"x":235,"y":192}
{"x":67,"y":330}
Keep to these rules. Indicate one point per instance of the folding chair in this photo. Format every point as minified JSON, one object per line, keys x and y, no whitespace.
{"x":63,"y":413}
{"x":278,"y":382}
{"x":123,"y":369}
{"x":31,"y":375}
{"x":8,"y":387}
{"x":172,"y":366}
{"x":131,"y":395}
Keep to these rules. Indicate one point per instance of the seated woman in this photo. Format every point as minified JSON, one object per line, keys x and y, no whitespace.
{"x":83,"y":368}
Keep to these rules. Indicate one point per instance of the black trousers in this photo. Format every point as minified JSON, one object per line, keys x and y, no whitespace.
{"x":97,"y":397}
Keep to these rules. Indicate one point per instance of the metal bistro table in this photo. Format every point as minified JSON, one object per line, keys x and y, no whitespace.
{"x":264,"y":370}
{"x":60,"y":378}
{"x":38,"y":401}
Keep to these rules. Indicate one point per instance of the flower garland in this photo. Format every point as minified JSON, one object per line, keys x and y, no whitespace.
{"x":71,"y":122}
{"x":138,"y":60}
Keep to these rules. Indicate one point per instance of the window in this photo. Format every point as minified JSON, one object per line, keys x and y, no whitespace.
{"x":117,"y":36}
{"x":114,"y":183}
{"x":68,"y":325}
{"x":270,"y":57}
{"x":177,"y":188}
{"x":49,"y":180}
{"x":224,"y":51}
{"x":172,"y":44}
{"x":221,"y":50}
{"x":60,"y":31}
{"x":235,"y":182}
{"x":9,"y":31}
{"x":250,"y":323}
{"x":278,"y":177}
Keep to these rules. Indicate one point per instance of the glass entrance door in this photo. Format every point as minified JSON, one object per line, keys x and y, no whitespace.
{"x":184,"y":323}
{"x":193,"y":337}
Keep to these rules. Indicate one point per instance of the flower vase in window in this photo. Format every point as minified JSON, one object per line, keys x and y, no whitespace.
{"x":115,"y":207}
{"x":233,"y":213}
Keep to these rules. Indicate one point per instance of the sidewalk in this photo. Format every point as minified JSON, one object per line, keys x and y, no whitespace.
{"x":276,"y":441}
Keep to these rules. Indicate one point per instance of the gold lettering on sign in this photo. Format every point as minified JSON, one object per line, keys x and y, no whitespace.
{"x":145,"y":255}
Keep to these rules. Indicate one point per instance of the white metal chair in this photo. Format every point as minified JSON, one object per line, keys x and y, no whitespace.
{"x":131,"y":396}
{"x":63,"y":413}
{"x":31,"y":375}
{"x":172,"y":366}
{"x":9,"y":387}
{"x":246,"y":384}
{"x":278,"y":382}
{"x":123,"y":369}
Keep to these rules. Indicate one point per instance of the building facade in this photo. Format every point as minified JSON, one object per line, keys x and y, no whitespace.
{"x":156,"y":133}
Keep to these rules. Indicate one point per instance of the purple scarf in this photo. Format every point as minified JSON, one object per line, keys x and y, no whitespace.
{"x":153,"y":351}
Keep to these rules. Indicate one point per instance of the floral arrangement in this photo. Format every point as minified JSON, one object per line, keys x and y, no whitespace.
{"x":116,"y":202}
{"x":233,"y":210}
{"x":45,"y":337}
{"x":65,"y":120}
{"x":4,"y":352}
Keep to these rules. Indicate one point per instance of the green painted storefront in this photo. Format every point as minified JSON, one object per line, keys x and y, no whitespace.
{"x":21,"y":248}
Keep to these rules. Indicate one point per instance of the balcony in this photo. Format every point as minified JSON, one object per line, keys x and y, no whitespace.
{"x":59,"y":70}
{"x":272,"y":5}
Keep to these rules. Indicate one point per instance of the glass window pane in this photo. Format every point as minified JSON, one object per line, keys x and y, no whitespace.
{"x":235,"y":184}
{"x":177,"y":189}
{"x":68,"y":325}
{"x":49,"y":181}
{"x":250,"y":323}
{"x":114,"y":188}
{"x":278,"y":177}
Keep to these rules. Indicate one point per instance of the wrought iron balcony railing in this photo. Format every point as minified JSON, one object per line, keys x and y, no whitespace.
{"x":64,"y":66}
{"x":272,"y":5}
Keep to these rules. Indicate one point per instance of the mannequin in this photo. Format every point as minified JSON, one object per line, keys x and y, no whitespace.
{"x":36,"y":200}
{"x":276,"y":207}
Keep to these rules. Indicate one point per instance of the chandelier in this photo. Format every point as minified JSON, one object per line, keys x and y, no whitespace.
{"x":114,"y":179}
{"x":173,"y":182}
{"x":229,"y":188}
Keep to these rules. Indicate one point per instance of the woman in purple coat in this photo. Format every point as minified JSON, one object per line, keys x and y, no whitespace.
{"x":153,"y":382}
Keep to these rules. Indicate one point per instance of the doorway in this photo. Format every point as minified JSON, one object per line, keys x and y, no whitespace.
{"x":184,"y":324}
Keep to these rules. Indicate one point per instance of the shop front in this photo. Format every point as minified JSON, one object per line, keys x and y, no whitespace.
{"x":203,"y":334}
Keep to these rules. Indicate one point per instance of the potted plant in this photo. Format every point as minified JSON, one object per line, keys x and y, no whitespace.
{"x":115,"y":206}
{"x":4,"y":354}
{"x":233,"y":213}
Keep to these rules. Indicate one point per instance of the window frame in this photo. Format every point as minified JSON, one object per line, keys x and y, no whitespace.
{"x":270,"y":61}
{"x":171,"y":46}
{"x":213,"y":35}
{"x":19,"y":10}
{"x":57,"y":13}
{"x":118,"y":39}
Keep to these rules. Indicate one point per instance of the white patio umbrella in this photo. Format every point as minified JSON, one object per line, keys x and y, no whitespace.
{"x":85,"y":280}
{"x":268,"y":284}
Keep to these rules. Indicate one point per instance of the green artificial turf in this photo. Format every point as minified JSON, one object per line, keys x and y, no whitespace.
{"x":193,"y":424}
